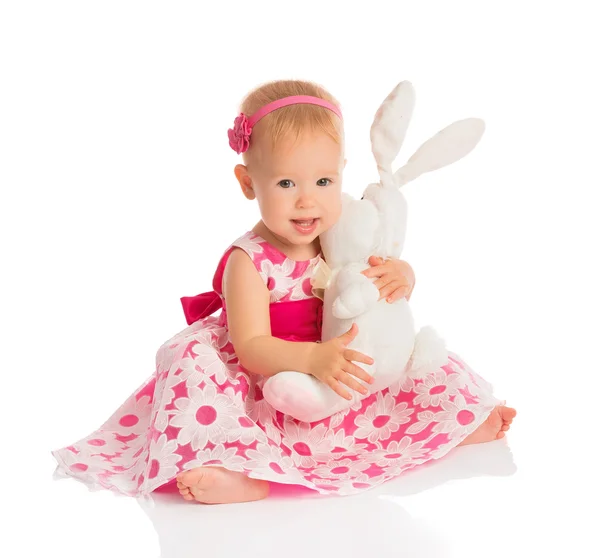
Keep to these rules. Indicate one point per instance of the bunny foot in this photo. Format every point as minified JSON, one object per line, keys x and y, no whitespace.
{"x":429,"y":353}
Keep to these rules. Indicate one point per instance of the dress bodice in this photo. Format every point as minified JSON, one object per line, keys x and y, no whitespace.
{"x":296,"y":314}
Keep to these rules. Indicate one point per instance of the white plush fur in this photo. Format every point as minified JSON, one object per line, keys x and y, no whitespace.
{"x":375,"y":225}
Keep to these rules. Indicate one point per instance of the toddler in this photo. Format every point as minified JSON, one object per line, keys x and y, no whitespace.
{"x":201,"y":421}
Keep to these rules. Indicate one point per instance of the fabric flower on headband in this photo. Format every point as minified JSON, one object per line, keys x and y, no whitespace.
{"x":239,"y":135}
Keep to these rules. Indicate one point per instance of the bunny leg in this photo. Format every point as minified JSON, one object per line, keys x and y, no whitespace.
{"x":429,"y":353}
{"x":303,"y":397}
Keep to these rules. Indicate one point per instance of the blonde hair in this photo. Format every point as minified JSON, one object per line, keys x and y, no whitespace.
{"x":292,"y":120}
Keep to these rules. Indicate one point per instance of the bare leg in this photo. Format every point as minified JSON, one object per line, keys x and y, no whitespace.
{"x":215,"y":485}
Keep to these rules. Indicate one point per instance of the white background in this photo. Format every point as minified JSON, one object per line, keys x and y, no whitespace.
{"x":118,"y":197}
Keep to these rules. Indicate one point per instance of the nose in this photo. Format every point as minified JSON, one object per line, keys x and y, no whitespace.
{"x":305,"y":198}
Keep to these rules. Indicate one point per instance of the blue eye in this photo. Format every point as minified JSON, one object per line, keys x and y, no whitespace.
{"x":327,"y":179}
{"x":285,"y":183}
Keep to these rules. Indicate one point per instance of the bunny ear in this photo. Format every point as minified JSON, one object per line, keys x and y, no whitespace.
{"x":446,"y":147}
{"x":389,"y":128}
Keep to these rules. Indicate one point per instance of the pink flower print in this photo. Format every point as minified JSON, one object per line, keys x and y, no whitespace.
{"x":424,"y":419}
{"x":162,"y":464}
{"x":308,"y":446}
{"x":303,"y":289}
{"x":218,"y":456}
{"x":235,"y":397}
{"x":208,"y":361}
{"x":119,"y":482}
{"x":257,"y":407}
{"x":131,"y":419}
{"x":239,"y":135}
{"x":251,"y":243}
{"x":398,"y":453}
{"x":221,"y":338}
{"x":407,"y":384}
{"x":341,"y":443}
{"x":192,"y":369}
{"x":280,"y":278}
{"x":168,"y":353}
{"x":74,"y":464}
{"x":131,"y":456}
{"x":247,"y":432}
{"x":165,"y":394}
{"x":96,"y":442}
{"x":273,"y":434}
{"x":435,"y":388}
{"x":202,"y":416}
{"x":266,"y":460}
{"x":193,"y":334}
{"x":457,"y":418}
{"x":381,"y":418}
{"x":341,"y":469}
{"x":347,"y":486}
{"x":482,"y":390}
{"x":161,"y":420}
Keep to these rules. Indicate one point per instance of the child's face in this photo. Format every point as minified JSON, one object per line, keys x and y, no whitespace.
{"x":298,"y":186}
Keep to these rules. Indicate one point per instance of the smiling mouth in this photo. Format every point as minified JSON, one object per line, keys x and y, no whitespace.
{"x":304,"y":222}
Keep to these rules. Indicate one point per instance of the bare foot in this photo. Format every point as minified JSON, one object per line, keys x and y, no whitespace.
{"x":214,"y":485}
{"x":494,"y":427}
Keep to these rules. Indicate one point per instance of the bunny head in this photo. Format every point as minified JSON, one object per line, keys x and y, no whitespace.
{"x":376,"y":224}
{"x":354,"y":236}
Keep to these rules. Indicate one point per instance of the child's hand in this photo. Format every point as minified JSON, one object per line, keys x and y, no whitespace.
{"x":331,"y":362}
{"x":396,"y":278}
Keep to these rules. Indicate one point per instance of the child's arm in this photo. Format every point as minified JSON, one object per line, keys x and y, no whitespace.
{"x":247,"y":302}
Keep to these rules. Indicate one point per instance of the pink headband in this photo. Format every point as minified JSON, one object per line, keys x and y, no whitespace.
{"x":239,"y":135}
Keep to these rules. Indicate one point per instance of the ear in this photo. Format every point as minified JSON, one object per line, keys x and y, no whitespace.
{"x":241,"y":173}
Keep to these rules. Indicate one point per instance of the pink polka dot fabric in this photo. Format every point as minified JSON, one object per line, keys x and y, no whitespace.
{"x":201,"y":408}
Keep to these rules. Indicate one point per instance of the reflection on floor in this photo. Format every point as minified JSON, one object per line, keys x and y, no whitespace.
{"x":295,"y":521}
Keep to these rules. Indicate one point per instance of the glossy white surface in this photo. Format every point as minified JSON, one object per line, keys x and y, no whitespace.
{"x":479,"y":498}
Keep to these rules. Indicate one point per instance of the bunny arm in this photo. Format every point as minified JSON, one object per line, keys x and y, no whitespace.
{"x":357,"y":293}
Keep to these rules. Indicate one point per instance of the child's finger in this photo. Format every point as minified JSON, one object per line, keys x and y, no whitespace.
{"x":382,"y":282}
{"x":351,"y":354}
{"x":347,"y":338}
{"x":376,"y":271}
{"x":357,"y":371}
{"x":376,"y":260}
{"x":398,"y":294}
{"x":337,"y":387}
{"x":352,"y":384}
{"x":392,"y":289}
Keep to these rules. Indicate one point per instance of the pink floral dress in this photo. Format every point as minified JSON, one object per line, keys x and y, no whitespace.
{"x":202,"y":408}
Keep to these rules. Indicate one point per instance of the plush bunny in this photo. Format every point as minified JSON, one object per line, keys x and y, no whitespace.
{"x":374,"y":225}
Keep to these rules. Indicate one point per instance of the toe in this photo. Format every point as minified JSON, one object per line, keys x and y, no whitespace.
{"x":505,"y":427}
{"x":181,"y":478}
{"x":500,"y":435}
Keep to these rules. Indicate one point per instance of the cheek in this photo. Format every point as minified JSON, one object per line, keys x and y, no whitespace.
{"x":336,"y":209}
{"x":271,"y":204}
